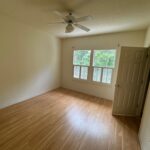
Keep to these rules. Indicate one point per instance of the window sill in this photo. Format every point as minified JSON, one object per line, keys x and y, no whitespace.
{"x":93,"y":83}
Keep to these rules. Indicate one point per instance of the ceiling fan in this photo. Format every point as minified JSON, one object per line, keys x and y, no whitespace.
{"x":71,"y":21}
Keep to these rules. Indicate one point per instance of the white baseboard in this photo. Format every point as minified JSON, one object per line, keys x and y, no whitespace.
{"x":28,"y":98}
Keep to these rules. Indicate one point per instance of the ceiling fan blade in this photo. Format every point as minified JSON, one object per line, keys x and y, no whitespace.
{"x":82,"y":27}
{"x":60,"y":14}
{"x":84,"y":18}
{"x":60,"y":22}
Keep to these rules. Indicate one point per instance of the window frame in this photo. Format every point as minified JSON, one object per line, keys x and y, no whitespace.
{"x":84,"y":80}
{"x":91,"y":69}
{"x":97,"y":82}
{"x":80,"y":72}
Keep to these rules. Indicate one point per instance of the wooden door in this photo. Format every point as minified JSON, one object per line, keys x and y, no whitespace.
{"x":129,"y":81}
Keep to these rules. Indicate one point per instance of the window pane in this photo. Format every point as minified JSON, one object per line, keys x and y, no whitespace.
{"x":104,"y":58}
{"x":76,"y":73}
{"x":97,"y":74}
{"x":107,"y":75}
{"x":81,"y":57}
{"x":84,"y":73}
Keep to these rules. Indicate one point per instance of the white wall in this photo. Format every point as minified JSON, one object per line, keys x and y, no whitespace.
{"x":106,"y":41}
{"x":29,"y":62}
{"x":144,"y":133}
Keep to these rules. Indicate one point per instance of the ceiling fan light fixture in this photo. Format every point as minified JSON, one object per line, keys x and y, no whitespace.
{"x":73,"y":22}
{"x":69,"y":28}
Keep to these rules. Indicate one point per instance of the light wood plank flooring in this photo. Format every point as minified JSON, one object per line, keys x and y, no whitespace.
{"x":66,"y":120}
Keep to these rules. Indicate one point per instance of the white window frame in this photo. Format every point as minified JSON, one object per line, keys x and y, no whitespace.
{"x":102,"y":68}
{"x":91,"y":69}
{"x":86,"y":80}
{"x":80,"y":72}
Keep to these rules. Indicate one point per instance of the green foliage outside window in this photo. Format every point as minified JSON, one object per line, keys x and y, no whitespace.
{"x":101,"y":58}
{"x":81,"y":57}
{"x":104,"y":58}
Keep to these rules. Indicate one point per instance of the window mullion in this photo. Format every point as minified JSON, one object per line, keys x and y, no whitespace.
{"x":91,"y":67}
{"x":106,"y":74}
{"x":111,"y":74}
{"x":101,"y":74}
{"x":80,"y":73}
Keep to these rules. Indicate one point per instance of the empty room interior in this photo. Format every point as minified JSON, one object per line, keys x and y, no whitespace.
{"x":74,"y":75}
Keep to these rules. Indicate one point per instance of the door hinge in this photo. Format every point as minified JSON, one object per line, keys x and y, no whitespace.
{"x":117,"y":85}
{"x":148,"y":53}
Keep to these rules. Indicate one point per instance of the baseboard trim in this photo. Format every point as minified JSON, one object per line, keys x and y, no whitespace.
{"x":86,"y":93}
{"x":40,"y":94}
{"x":141,"y":147}
{"x":123,"y":115}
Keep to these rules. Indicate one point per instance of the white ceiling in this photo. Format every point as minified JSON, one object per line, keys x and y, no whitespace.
{"x":108,"y":15}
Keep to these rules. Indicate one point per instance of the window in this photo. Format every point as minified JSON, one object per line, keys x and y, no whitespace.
{"x":81,"y":63}
{"x":102,"y":63}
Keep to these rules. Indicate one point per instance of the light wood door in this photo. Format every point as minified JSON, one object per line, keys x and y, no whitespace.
{"x":129,"y":80}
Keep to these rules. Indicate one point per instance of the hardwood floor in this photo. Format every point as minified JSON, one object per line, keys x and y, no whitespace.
{"x":66,"y":120}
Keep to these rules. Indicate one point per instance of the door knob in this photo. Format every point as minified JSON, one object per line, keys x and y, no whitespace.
{"x":117,"y":85}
